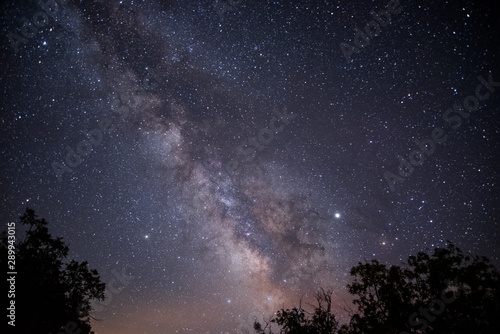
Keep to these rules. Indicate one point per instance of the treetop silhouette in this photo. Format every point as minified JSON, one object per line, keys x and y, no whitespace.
{"x":446,"y":292}
{"x":52,"y":295}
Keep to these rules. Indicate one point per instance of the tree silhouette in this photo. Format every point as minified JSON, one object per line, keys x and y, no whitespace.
{"x":300,"y":321}
{"x":51,"y":295}
{"x":447,"y":292}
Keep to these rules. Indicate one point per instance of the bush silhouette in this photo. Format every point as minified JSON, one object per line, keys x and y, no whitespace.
{"x":446,"y":292}
{"x":52,"y":295}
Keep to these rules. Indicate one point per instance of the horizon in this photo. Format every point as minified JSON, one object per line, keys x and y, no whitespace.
{"x":217,"y":160}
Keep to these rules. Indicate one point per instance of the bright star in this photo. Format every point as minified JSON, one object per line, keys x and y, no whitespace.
{"x":337,"y":215}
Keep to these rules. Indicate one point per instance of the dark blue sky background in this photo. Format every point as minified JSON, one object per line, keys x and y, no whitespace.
{"x":237,"y":158}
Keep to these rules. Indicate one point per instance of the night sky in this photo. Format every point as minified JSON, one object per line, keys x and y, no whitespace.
{"x":222,"y":158}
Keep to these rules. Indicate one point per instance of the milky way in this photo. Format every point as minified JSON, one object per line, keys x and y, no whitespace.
{"x":232,"y":156}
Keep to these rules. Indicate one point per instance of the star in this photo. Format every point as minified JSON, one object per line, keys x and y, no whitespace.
{"x":237,"y":134}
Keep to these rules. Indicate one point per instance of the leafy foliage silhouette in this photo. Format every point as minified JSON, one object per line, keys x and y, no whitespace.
{"x":299,"y":321}
{"x":52,"y":295}
{"x":446,"y":292}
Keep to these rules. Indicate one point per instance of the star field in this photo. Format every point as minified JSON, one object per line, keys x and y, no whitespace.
{"x":229,"y":156}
